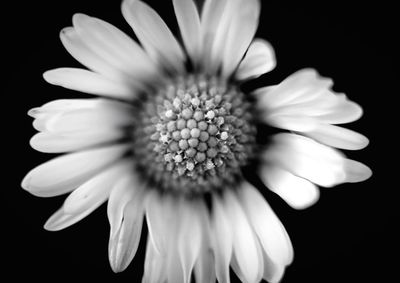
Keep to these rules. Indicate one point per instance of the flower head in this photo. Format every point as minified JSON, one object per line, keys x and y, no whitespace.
{"x":169,"y":138}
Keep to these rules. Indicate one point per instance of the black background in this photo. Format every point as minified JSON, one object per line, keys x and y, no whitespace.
{"x":343,"y":238}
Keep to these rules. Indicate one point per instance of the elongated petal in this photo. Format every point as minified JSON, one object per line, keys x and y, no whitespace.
{"x":154,"y":265}
{"x":338,"y":137}
{"x":189,"y":238}
{"x":259,"y":59}
{"x":101,"y":115}
{"x":97,"y":190}
{"x":204,"y":269}
{"x":245,"y":245}
{"x":304,"y":84}
{"x":74,"y":44}
{"x":241,"y":32}
{"x":190,"y":27}
{"x":356,"y":171}
{"x":292,"y":123}
{"x":273,"y":236}
{"x":115,"y":47}
{"x":73,"y":141}
{"x":222,"y":236}
{"x":122,"y":192}
{"x":61,"y":220}
{"x":123,"y":246}
{"x":273,"y":272}
{"x":154,"y":34}
{"x":89,"y":82}
{"x":65,"y":173}
{"x":307,"y":158}
{"x":211,"y":21}
{"x":158,"y":218}
{"x":299,"y":193}
{"x":345,"y":112}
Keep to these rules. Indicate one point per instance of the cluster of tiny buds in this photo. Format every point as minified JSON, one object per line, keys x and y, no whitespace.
{"x":196,"y":129}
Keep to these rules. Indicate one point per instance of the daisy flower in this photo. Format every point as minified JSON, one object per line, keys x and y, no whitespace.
{"x":168,"y":137}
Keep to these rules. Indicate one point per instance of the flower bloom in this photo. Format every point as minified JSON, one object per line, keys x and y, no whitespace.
{"x":168,"y":138}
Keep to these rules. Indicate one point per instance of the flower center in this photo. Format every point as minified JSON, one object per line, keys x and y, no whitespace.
{"x":194,"y":135}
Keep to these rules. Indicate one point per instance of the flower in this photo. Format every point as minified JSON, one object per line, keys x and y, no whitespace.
{"x":169,"y":138}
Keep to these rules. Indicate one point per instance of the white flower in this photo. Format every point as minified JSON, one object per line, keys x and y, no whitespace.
{"x":173,"y":129}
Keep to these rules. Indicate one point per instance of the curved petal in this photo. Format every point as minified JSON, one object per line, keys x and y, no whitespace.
{"x":122,"y":192}
{"x":190,"y":27}
{"x":115,"y":47}
{"x":241,"y":32}
{"x":63,"y":174}
{"x":74,"y":44}
{"x":273,"y":272}
{"x":356,"y":171}
{"x":303,"y":85}
{"x":154,"y":34}
{"x":123,"y":245}
{"x":212,"y":27}
{"x":297,"y":192}
{"x":100,"y":114}
{"x":259,"y":59}
{"x":154,"y":265}
{"x":204,"y":269}
{"x":158,"y":218}
{"x":96,"y":190}
{"x":61,"y":220}
{"x":189,"y":238}
{"x":338,"y":137}
{"x":245,"y":245}
{"x":307,"y":158}
{"x":58,"y":143}
{"x":270,"y":231}
{"x":89,"y":82}
{"x":223,"y":242}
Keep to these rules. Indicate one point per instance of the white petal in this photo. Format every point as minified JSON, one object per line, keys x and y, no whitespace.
{"x":154,"y":34}
{"x":114,"y":46}
{"x":212,"y":27}
{"x":154,"y":265}
{"x":241,"y":32}
{"x":245,"y":245}
{"x":61,"y":220}
{"x":102,"y":114}
{"x":73,"y":141}
{"x":82,"y":53}
{"x":204,"y":269}
{"x":89,"y":82}
{"x":270,"y":231}
{"x":303,"y":85}
{"x":338,"y":137}
{"x":158,"y":218}
{"x":123,"y":246}
{"x":85,"y":199}
{"x":60,"y":105}
{"x":297,"y":192}
{"x":344,"y":112}
{"x":222,"y":237}
{"x":259,"y":59}
{"x":97,"y":190}
{"x":356,"y":171}
{"x":291,"y":123}
{"x":189,"y":25}
{"x":122,"y":192}
{"x":189,"y":237}
{"x":63,"y":174}
{"x":273,"y":272}
{"x":307,"y":158}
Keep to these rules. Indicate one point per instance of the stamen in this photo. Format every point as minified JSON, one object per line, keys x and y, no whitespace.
{"x":193,"y":135}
